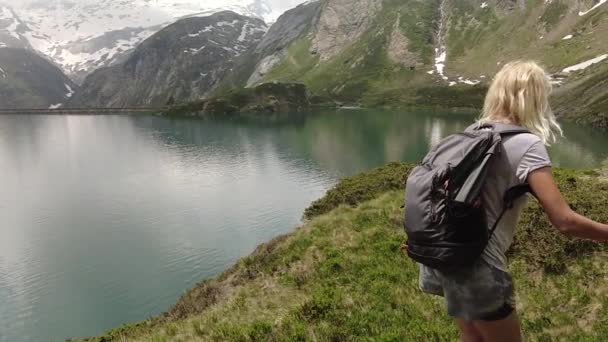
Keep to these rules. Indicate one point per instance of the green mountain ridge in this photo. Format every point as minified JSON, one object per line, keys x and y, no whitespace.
{"x":388,"y":53}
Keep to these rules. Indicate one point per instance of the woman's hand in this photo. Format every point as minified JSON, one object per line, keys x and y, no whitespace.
{"x":559,"y":212}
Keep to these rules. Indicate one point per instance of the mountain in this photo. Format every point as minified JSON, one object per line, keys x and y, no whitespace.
{"x":182,"y":62}
{"x":365,"y":52}
{"x":30,"y":81}
{"x":585,"y":99}
{"x":251,"y":68}
{"x":84,"y":35}
{"x":435,"y":52}
{"x":12,"y":29}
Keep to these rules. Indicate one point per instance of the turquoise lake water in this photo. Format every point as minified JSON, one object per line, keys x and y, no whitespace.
{"x":109,"y":219}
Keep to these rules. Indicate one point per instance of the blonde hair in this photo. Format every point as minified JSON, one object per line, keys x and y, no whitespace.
{"x":519,"y":94}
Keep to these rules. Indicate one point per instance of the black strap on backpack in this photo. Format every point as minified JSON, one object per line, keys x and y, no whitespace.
{"x":516,"y":192}
{"x":509,"y":199}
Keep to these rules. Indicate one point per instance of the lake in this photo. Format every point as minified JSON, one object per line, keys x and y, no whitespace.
{"x":109,"y":219}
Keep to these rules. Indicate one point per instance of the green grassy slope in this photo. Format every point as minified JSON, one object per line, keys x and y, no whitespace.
{"x":363,"y":73}
{"x":342,"y":277}
{"x":585,"y":100}
{"x":480,"y":40}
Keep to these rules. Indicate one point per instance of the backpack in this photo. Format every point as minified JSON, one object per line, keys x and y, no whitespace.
{"x":445,"y":220}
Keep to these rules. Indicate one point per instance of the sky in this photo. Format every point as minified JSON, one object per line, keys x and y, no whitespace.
{"x":284,"y":5}
{"x":158,"y":8}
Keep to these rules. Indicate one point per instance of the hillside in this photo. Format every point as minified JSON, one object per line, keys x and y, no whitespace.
{"x":265,"y":99}
{"x":183,"y":62}
{"x":342,"y":276}
{"x":30,"y":81}
{"x":437,"y":52}
{"x":585,"y":100}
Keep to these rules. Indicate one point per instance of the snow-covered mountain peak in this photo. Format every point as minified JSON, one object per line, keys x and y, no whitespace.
{"x":185,"y":8}
{"x":12,"y":29}
{"x":83,"y":35}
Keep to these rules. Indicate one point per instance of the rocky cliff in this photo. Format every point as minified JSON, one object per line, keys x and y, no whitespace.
{"x":341,"y":24}
{"x":183,"y":62}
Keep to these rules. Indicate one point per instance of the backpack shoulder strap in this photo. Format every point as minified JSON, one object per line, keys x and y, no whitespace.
{"x":513,"y":132}
{"x":502,"y":129}
{"x":512,"y":195}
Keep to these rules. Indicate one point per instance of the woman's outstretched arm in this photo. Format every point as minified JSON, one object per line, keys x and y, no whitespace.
{"x":559,"y":212}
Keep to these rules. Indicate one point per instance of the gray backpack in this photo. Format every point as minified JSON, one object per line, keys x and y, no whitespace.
{"x":445,"y":220}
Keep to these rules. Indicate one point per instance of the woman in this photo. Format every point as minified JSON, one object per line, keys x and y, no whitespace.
{"x":480,"y":298}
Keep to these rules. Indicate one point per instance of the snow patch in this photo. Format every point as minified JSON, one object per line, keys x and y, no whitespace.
{"x":69,"y":89}
{"x":225,"y":23}
{"x":55,"y":106}
{"x":568,"y":37}
{"x":2,"y":73}
{"x":441,"y":52}
{"x":440,"y":63}
{"x":7,"y":14}
{"x":231,"y":50}
{"x":582,"y":13}
{"x":206,"y":29}
{"x":244,"y":32}
{"x":586,"y":64}
{"x":467,"y":81}
{"x":194,"y":51}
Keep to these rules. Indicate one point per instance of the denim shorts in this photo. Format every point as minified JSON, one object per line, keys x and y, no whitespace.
{"x":480,"y":292}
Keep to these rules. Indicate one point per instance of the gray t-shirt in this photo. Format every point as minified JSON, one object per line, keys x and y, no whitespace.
{"x":521,"y":154}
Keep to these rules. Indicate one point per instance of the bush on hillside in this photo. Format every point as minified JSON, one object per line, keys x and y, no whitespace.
{"x":537,"y":242}
{"x":360,"y":188}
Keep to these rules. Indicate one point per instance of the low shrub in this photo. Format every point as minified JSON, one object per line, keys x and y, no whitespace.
{"x":360,"y":188}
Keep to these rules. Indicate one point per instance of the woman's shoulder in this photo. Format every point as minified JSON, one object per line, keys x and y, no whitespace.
{"x":528,"y":139}
{"x":524,"y":144}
